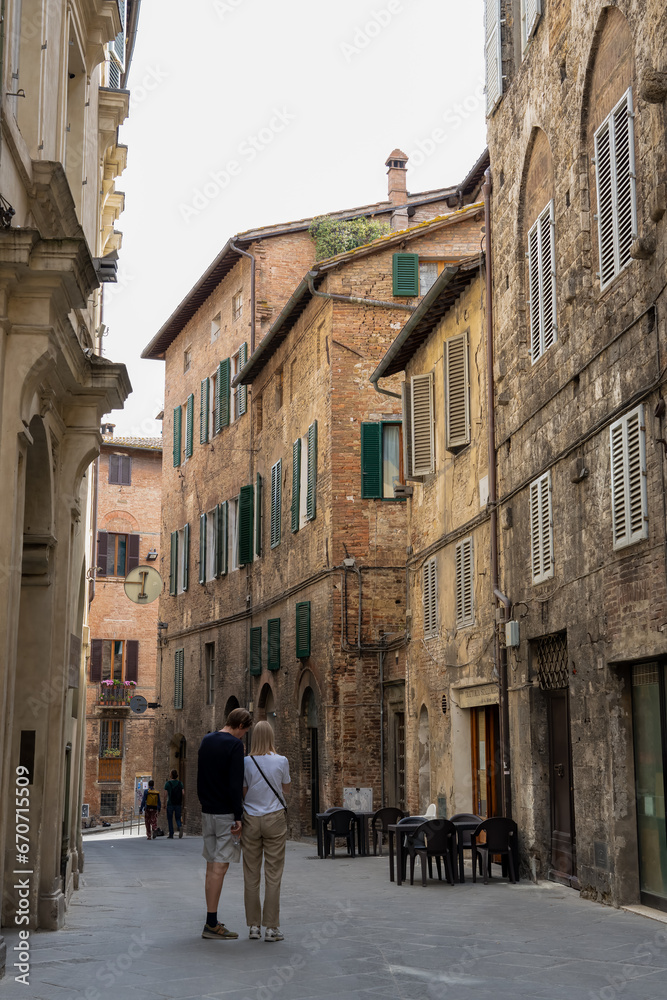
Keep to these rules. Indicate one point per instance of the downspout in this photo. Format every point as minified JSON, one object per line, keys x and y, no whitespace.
{"x":353,"y":298}
{"x":250,"y":257}
{"x":499,"y":654}
{"x":386,"y":392}
{"x":96,"y":478}
{"x":381,"y":665}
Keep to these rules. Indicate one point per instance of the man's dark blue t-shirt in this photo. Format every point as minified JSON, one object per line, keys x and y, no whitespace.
{"x":220,"y":775}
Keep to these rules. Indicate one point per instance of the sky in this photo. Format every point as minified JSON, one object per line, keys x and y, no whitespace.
{"x":245,"y":113}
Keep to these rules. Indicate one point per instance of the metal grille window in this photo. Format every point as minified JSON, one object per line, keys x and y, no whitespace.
{"x":111,"y":738}
{"x":616,"y":188}
{"x":629,"y":500}
{"x":550,"y":661}
{"x":542,"y":283}
{"x":541,"y":529}
{"x":465,"y":583}
{"x":430,"y":582}
{"x":109,"y":804}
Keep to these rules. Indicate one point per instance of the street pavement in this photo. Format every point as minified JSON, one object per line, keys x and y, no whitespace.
{"x":134,"y":932}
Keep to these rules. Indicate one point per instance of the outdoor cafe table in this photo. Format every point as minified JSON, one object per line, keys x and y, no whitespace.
{"x":409,"y":825}
{"x":361,"y":822}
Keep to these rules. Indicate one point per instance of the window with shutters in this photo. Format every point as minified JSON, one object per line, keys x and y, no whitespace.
{"x":429,"y":270}
{"x":237,"y":306}
{"x":213,"y":427}
{"x":116,"y":63}
{"x":117,"y":554}
{"x":246,"y":525}
{"x":215,"y":328}
{"x":492,"y":54}
{"x":208,"y":545}
{"x":276,"y":502}
{"x":179,"y":665}
{"x":120,"y":470}
{"x":233,"y":532}
{"x":273,"y":644}
{"x":465,"y":583}
{"x":530,"y":16}
{"x":209,"y":664}
{"x":239,"y":403}
{"x":303,"y":483}
{"x":114,"y":660}
{"x":222,"y":395}
{"x":457,"y":391}
{"x":381,"y":459}
{"x":204,"y":410}
{"x":177,"y":438}
{"x":302,"y":629}
{"x":542,"y":283}
{"x":418,"y":426}
{"x":111,"y":738}
{"x":182,"y":558}
{"x":616,"y":189}
{"x":430,"y":586}
{"x":629,"y":498}
{"x":187,"y":359}
{"x":541,"y":529}
{"x":255,"y":651}
{"x":405,"y":271}
{"x":189,"y":424}
{"x":222,"y":546}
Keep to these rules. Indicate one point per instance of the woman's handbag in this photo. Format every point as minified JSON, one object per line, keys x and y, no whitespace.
{"x":277,"y":794}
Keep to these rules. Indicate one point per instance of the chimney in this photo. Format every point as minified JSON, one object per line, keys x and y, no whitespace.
{"x":398,"y":192}
{"x":107,"y":429}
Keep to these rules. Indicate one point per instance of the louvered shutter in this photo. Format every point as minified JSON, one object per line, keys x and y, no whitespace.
{"x":423,"y":457}
{"x":255,"y":651}
{"x":96,"y":661}
{"x":406,"y":404}
{"x":616,"y":188}
{"x":465,"y":583}
{"x":311,"y":485}
{"x":203,"y":411}
{"x":276,"y":509}
{"x":542,"y":283}
{"x":273,"y":644}
{"x":125,"y":470}
{"x":179,"y":663}
{"x":189,"y":424}
{"x":132,"y":660}
{"x":102,"y":552}
{"x":302,"y":629}
{"x":258,"y":516}
{"x":243,"y":389}
{"x":430,"y":585}
{"x":541,"y":529}
{"x":493,"y":54}
{"x":371,"y":460}
{"x":177,"y":436}
{"x":221,"y":553}
{"x":406,"y":274}
{"x":457,"y":392}
{"x":296,"y":480}
{"x":133,"y":542}
{"x":246,"y":523}
{"x":186,"y":556}
{"x":202,"y":548}
{"x":628,"y":479}
{"x":222,"y":394}
{"x":173,"y":563}
{"x":532,"y":10}
{"x":114,"y":475}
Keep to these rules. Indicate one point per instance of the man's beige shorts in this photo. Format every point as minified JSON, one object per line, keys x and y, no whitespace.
{"x":218,"y":843}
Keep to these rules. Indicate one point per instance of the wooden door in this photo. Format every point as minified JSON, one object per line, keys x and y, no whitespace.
{"x":485,"y":730}
{"x":563,"y":856}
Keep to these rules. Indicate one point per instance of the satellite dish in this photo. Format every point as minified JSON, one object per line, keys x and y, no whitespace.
{"x":138,"y":704}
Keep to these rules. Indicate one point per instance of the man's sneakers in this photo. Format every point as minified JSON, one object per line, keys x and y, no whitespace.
{"x":219,"y":932}
{"x":255,"y":933}
{"x":273,"y":934}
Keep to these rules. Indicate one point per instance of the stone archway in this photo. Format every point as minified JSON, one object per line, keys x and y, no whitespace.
{"x":231,"y":703}
{"x":266,"y":706}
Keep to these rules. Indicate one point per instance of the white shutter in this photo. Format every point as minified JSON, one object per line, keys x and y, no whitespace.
{"x":530,"y":14}
{"x":457,"y":391}
{"x":430,"y":579}
{"x":493,"y":55}
{"x":541,"y":529}
{"x":629,"y":500}
{"x":423,"y":451}
{"x":616,"y":188}
{"x":465,"y":583}
{"x":542,"y":283}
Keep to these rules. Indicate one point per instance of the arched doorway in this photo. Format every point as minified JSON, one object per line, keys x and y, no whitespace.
{"x":424,"y":761}
{"x":232,"y":703}
{"x":266,"y":706}
{"x":178,"y":756}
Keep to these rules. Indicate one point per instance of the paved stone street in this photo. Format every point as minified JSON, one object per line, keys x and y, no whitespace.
{"x":134,"y":929}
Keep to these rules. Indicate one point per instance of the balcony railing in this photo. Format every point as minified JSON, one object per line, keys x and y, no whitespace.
{"x":115,"y":695}
{"x":110,"y":769}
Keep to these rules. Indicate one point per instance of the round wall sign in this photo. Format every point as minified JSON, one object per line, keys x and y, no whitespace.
{"x":143,"y":584}
{"x":138,"y":704}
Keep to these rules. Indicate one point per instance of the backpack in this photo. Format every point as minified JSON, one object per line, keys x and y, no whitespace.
{"x":151,"y":799}
{"x":176,"y":793}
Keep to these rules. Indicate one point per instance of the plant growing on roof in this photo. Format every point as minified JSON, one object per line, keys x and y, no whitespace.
{"x":334,"y":236}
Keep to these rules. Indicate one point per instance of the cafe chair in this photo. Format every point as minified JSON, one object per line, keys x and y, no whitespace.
{"x":466,"y":824}
{"x":341,"y":825}
{"x":434,"y":839}
{"x":380,"y":822}
{"x":501,"y":838}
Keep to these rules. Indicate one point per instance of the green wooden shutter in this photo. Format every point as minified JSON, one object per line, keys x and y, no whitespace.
{"x":243,"y":389}
{"x":173,"y":564}
{"x":276,"y":502}
{"x":273,"y":644}
{"x":203,"y":413}
{"x":221,"y":551}
{"x":186,"y":556}
{"x":255,"y":651}
{"x":245,"y":525}
{"x":179,"y":661}
{"x":371,"y":460}
{"x":202,"y":548}
{"x":222,"y":393}
{"x":406,"y":273}
{"x":177,"y":436}
{"x":296,"y":481}
{"x":311,"y":488}
{"x":258,"y":516}
{"x":303,"y":629}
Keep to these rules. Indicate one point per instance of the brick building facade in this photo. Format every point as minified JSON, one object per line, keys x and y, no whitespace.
{"x":123,"y":635}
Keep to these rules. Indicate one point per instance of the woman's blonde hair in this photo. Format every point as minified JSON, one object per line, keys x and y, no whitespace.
{"x":262,"y":739}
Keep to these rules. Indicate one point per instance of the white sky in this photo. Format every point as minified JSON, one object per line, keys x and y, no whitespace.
{"x":307,"y":98}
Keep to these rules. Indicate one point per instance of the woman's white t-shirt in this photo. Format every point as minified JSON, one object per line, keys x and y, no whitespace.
{"x":259,"y":799}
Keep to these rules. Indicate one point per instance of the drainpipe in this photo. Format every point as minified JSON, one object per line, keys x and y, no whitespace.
{"x":353,"y":298}
{"x":252,"y":292}
{"x":96,"y":478}
{"x":381,"y":665}
{"x":386,"y":392}
{"x":499,"y":654}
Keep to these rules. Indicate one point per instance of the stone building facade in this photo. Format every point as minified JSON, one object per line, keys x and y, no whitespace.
{"x":60,"y":155}
{"x":123,"y":634}
{"x":576,"y":134}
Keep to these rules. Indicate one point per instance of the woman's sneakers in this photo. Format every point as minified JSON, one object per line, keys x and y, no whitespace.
{"x":255,"y":933}
{"x":273,"y":934}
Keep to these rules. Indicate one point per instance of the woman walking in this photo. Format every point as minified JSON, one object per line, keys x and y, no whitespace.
{"x":266,"y":781}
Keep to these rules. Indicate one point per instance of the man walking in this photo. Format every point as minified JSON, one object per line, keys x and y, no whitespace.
{"x":174,"y":790}
{"x":220,"y":791}
{"x":150,"y":806}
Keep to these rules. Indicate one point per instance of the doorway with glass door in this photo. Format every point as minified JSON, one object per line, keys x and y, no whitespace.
{"x":485,"y":730}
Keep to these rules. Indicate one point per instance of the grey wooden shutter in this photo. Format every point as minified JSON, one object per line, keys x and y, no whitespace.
{"x":493,"y":54}
{"x":179,"y":664}
{"x":276,"y":502}
{"x":133,"y":542}
{"x":132,"y":660}
{"x":616,"y":188}
{"x":423,"y":451}
{"x":186,"y":556}
{"x":177,"y":436}
{"x":102,"y":552}
{"x":311,"y":485}
{"x":96,"y":661}
{"x":114,"y":473}
{"x":406,"y":404}
{"x":203,"y":411}
{"x":258,"y":515}
{"x":430,"y":587}
{"x":628,"y":479}
{"x":541,"y":529}
{"x":273,"y":644}
{"x":202,"y":548}
{"x":243,"y":389}
{"x":457,"y":392}
{"x":173,"y":564}
{"x":302,"y":629}
{"x":255,"y":651}
{"x":125,"y":470}
{"x":465,"y":583}
{"x":296,"y":481}
{"x":542,"y":282}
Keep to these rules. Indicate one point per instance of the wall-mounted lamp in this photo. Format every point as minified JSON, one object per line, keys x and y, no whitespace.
{"x":151,"y":555}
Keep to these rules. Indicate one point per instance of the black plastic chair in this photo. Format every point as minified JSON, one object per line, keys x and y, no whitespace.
{"x":434,"y":839}
{"x":341,"y":824}
{"x":380,"y":822}
{"x":501,"y":838}
{"x":466,"y":824}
